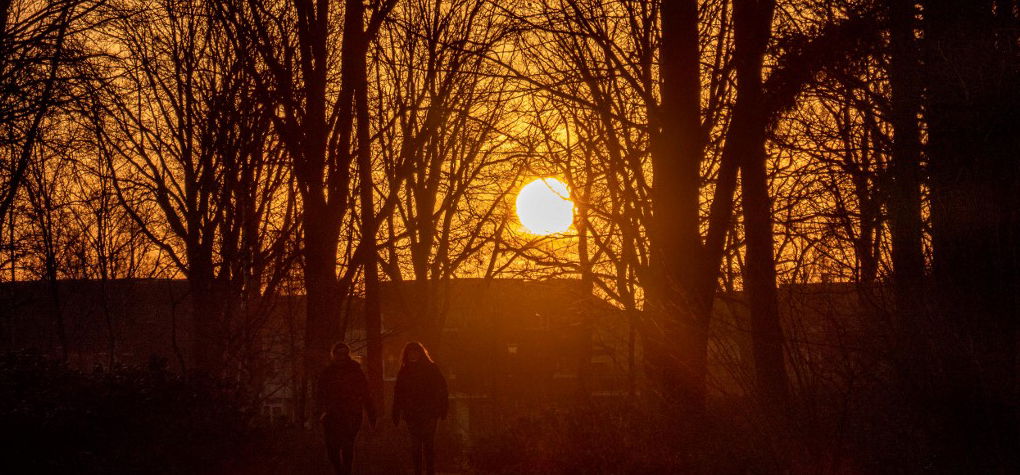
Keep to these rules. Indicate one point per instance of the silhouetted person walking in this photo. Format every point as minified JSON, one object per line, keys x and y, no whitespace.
{"x":420,"y":398}
{"x":342,"y":394}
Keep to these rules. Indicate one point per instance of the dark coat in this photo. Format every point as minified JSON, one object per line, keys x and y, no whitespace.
{"x":420,"y":393}
{"x":342,"y":393}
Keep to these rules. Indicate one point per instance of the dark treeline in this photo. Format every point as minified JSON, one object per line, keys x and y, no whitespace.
{"x":261,"y":149}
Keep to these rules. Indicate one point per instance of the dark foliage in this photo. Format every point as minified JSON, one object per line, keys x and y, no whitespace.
{"x":617,"y":438}
{"x":125,"y":420}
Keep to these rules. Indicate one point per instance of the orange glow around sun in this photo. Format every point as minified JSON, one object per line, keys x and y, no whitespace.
{"x":544,"y":206}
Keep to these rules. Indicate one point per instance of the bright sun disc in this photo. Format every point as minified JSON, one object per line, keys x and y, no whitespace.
{"x":544,"y":206}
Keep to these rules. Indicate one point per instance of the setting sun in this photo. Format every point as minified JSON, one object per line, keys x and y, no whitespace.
{"x":544,"y":206}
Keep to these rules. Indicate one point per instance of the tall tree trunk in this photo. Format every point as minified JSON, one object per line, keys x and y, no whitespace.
{"x":322,"y":312}
{"x":676,"y":331}
{"x":373,"y":303}
{"x":973,"y":149}
{"x":587,"y":308}
{"x":752,"y":30}
{"x":323,"y":184}
{"x":904,"y":199}
{"x":206,"y":314}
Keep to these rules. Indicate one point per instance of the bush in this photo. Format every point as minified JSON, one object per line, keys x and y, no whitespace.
{"x":613,"y":438}
{"x":126,"y":420}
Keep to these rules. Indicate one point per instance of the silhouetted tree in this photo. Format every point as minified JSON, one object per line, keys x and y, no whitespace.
{"x":444,"y":153}
{"x":33,"y":36}
{"x":186,"y":141}
{"x":291,"y":51}
{"x":971,"y":72}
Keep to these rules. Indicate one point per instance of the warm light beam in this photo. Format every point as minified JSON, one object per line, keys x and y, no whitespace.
{"x":544,"y":206}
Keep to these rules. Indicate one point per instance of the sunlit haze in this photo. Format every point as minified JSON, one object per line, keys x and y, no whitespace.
{"x":553,"y":236}
{"x":544,"y":206}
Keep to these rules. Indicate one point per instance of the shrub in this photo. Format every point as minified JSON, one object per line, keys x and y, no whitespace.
{"x":126,"y":420}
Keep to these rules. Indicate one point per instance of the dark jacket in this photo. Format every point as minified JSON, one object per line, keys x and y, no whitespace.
{"x":342,"y":393}
{"x":420,"y":393}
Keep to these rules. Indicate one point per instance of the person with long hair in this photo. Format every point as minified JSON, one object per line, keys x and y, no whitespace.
{"x":420,"y":398}
{"x":342,"y":395}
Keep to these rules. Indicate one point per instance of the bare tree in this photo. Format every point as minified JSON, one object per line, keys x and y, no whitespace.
{"x":970,"y":71}
{"x":311,"y":91}
{"x":33,"y":36}
{"x":444,"y":153}
{"x":185,"y":141}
